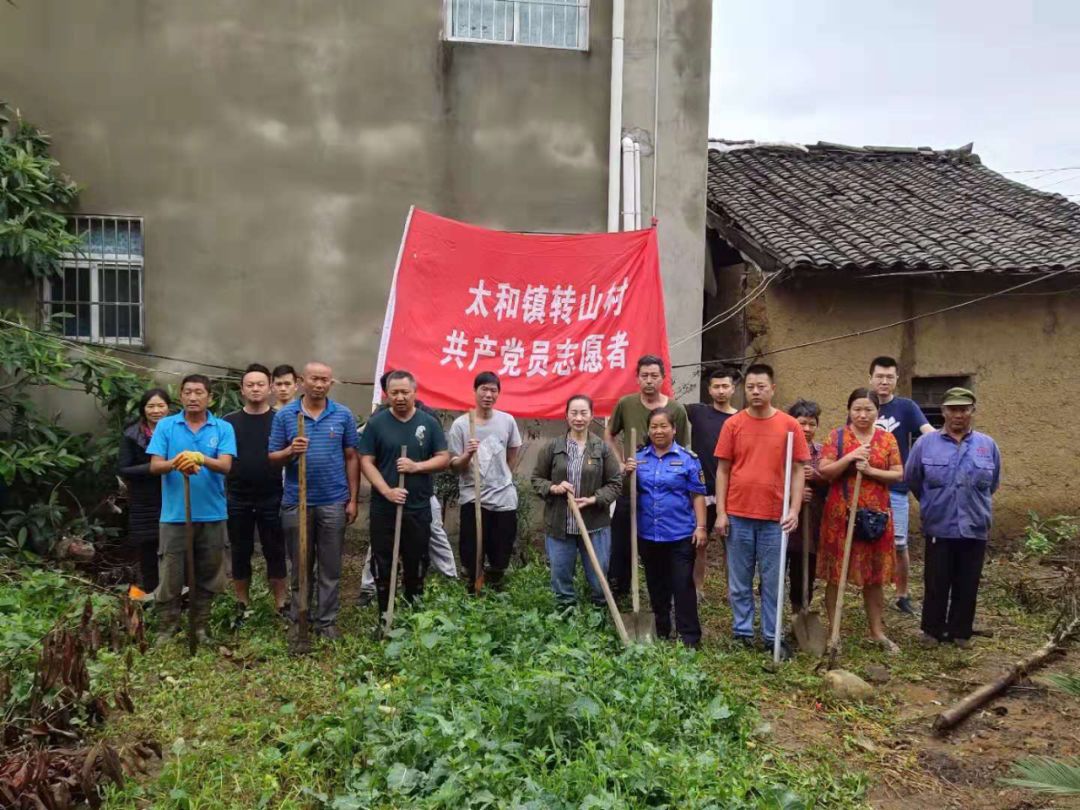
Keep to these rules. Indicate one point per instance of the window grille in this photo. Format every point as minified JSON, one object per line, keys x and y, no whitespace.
{"x":98,"y":294}
{"x":929,"y":393}
{"x":542,"y":23}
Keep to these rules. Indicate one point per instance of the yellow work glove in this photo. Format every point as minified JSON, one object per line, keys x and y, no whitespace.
{"x":189,"y":462}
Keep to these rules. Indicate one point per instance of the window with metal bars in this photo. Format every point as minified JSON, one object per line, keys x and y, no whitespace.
{"x":98,"y":294}
{"x":929,"y":393}
{"x":542,"y":23}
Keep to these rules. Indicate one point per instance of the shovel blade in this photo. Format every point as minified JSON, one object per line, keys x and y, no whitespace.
{"x":810,"y":633}
{"x":641,"y":627}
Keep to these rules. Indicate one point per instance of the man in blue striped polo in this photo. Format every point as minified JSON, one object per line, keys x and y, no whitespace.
{"x":333,"y":482}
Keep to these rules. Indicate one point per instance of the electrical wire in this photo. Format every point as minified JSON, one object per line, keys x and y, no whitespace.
{"x":86,"y":347}
{"x":730,"y":312}
{"x":881,"y":328}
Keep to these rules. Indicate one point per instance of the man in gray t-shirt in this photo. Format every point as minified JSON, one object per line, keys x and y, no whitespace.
{"x":494,"y":449}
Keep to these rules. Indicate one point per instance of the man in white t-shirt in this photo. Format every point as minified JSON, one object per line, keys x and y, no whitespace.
{"x":495,"y":449}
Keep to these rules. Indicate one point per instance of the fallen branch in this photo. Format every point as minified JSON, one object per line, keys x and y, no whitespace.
{"x":984,"y":694}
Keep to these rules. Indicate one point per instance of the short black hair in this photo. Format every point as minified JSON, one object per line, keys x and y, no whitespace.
{"x":202,"y":379}
{"x":806,"y":408}
{"x":650,"y":360}
{"x":722,"y":373}
{"x":584,"y":397}
{"x":282,"y":370}
{"x":256,"y":367}
{"x":399,"y":374}
{"x":487,"y":378}
{"x":761,"y":368}
{"x":885,"y":362}
{"x":864,"y":393}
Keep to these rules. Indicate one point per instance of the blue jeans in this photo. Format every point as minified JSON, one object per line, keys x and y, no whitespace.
{"x":901,"y":508}
{"x":753,"y":543}
{"x":563,"y":553}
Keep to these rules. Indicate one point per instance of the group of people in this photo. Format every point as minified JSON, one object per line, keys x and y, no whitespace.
{"x":703,"y":472}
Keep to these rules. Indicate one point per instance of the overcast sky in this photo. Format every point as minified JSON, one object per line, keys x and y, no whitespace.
{"x":1002,"y":73}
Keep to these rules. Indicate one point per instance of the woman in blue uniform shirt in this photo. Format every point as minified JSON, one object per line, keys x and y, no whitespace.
{"x":671,"y":524}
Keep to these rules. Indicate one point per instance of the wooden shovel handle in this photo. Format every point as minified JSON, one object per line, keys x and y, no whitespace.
{"x":478,"y":574}
{"x":189,"y":564}
{"x":834,"y":637}
{"x":804,"y":519}
{"x":397,"y":550}
{"x":634,"y":576}
{"x":612,"y":607}
{"x":303,"y":549}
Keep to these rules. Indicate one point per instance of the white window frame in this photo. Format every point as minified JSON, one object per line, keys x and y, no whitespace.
{"x":582,"y":7}
{"x":94,"y":262}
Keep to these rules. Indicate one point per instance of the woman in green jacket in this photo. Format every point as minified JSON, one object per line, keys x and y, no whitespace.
{"x":582,"y":464}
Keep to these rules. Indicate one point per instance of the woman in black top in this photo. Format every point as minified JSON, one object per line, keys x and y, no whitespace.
{"x":144,"y":489}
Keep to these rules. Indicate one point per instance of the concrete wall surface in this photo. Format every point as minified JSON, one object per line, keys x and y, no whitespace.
{"x":274,"y":148}
{"x":1020,"y":351}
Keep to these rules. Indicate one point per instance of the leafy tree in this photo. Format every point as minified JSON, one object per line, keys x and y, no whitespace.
{"x":33,"y":193}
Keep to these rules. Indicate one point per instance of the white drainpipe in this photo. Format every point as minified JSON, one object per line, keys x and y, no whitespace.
{"x":637,"y":186}
{"x":629,"y":186}
{"x":618,"y":15}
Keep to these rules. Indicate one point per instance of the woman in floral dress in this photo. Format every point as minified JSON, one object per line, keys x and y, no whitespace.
{"x":859,"y":447}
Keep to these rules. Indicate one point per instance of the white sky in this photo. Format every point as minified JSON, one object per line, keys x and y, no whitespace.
{"x":1002,"y":73}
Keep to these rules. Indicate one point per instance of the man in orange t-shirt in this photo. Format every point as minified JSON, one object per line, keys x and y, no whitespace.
{"x":750,"y":511}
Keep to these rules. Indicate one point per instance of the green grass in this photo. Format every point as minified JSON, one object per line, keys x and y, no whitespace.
{"x":494,"y":702}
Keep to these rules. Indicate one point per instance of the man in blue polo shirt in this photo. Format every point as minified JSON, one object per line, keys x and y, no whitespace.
{"x":333,"y":482}
{"x":196,"y":444}
{"x":904,"y":419}
{"x":954,"y":473}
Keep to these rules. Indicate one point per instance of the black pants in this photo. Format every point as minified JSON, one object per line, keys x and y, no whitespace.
{"x":669,"y":575}
{"x":795,"y":575}
{"x":952,"y":568}
{"x":148,"y":560}
{"x":415,"y":534}
{"x":500,"y":533}
{"x":244,"y":515}
{"x":619,"y":566}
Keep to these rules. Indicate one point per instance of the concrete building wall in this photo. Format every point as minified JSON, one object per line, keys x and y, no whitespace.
{"x":1021,"y":352}
{"x":274,"y":148}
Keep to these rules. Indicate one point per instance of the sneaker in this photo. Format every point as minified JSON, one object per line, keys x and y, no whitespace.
{"x":785,"y":650}
{"x":747,"y":642}
{"x":903,"y":604}
{"x":241,"y":615}
{"x":283,"y":614}
{"x":962,"y":643}
{"x":366,"y":597}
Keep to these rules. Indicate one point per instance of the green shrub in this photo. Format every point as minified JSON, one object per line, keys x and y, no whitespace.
{"x":1043,"y":536}
{"x":504,"y":702}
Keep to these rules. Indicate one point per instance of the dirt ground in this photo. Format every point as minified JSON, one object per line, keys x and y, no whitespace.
{"x":890,"y":738}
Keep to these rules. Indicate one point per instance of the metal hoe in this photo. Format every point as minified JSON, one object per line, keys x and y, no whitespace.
{"x":478,"y":578}
{"x":779,"y":632}
{"x":838,"y":611}
{"x":612,"y":607}
{"x":809,"y":632}
{"x":397,"y":551}
{"x":641,"y":627}
{"x":189,"y":564}
{"x":303,"y":641}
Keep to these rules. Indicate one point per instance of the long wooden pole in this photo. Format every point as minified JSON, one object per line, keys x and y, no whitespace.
{"x":634,"y":582}
{"x":984,"y":694}
{"x":189,"y":565}
{"x":303,"y":552}
{"x":778,"y":633}
{"x":838,"y":611}
{"x":397,"y":550}
{"x":478,"y":574}
{"x":587,"y":542}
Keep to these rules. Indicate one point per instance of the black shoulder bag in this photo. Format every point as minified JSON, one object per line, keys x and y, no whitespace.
{"x":870,"y":524}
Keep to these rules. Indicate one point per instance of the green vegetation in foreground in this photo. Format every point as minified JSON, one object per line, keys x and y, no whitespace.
{"x":492,"y":702}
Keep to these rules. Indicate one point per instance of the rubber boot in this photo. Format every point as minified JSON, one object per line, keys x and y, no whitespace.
{"x":169,"y":622}
{"x":201,"y":615}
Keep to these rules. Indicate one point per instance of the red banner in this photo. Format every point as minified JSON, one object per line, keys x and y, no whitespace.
{"x":553,"y":316}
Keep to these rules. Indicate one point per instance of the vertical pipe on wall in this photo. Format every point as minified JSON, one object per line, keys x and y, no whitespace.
{"x":637,"y":186}
{"x":630,"y":202}
{"x":656,"y":113}
{"x":618,"y":16}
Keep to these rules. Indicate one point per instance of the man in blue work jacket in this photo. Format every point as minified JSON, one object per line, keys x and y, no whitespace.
{"x":196,"y":444}
{"x":953,"y":472}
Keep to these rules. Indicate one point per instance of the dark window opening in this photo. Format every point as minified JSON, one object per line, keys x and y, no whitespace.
{"x":929,"y":393}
